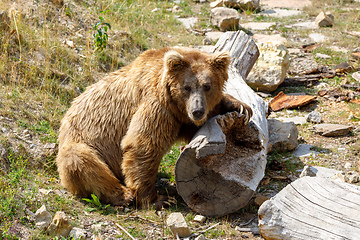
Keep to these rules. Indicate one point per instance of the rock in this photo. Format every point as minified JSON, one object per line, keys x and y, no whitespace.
{"x":352,"y":177}
{"x":5,"y":22}
{"x":343,"y":67}
{"x":78,"y":233}
{"x":60,"y":225}
{"x":218,"y":3}
{"x":224,"y":18}
{"x":199,"y":218}
{"x":323,"y":172}
{"x":242,"y":4}
{"x":264,"y":38}
{"x":254,"y":230}
{"x":317,"y":37}
{"x":331,"y":130}
{"x":213,"y":36}
{"x":322,"y":56}
{"x":270,"y":69}
{"x":324,"y":20}
{"x":42,"y":218}
{"x":188,"y":22}
{"x":314,"y":117}
{"x":355,"y":55}
{"x":283,"y":137}
{"x":289,"y":4}
{"x":257,"y":25}
{"x":177,"y":224}
{"x":304,"y":150}
{"x":356,"y":76}
{"x":96,"y":228}
{"x":4,"y":161}
{"x":279,"y":13}
{"x":296,"y":120}
{"x":306,"y":25}
{"x":307,"y":172}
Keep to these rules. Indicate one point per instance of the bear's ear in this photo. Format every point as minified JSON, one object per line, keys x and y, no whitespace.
{"x":174,"y":61}
{"x":220,"y":60}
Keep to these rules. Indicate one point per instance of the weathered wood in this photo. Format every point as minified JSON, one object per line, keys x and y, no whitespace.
{"x":220,"y":169}
{"x":312,"y":208}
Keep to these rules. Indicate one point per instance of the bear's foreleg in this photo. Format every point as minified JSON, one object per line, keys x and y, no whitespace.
{"x":151,"y":133}
{"x":82,"y":172}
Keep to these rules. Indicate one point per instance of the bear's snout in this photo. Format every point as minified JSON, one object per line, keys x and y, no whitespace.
{"x":198,"y":113}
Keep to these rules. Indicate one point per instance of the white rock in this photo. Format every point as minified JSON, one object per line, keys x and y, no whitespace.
{"x":322,"y":56}
{"x":78,"y":233}
{"x":348,"y":165}
{"x":314,"y":117}
{"x":356,"y":76}
{"x":264,"y":38}
{"x":224,"y":18}
{"x":304,"y":150}
{"x":199,"y":218}
{"x":42,"y":218}
{"x":323,"y":172}
{"x":70,"y":43}
{"x":257,"y":25}
{"x":269,"y":71}
{"x":188,"y":22}
{"x":279,"y":13}
{"x":218,"y":3}
{"x":317,"y":37}
{"x":324,"y":20}
{"x":60,"y":225}
{"x":177,"y":224}
{"x":283,"y":137}
{"x":296,"y":120}
{"x":306,"y":25}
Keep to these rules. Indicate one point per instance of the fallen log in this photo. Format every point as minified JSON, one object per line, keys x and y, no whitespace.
{"x":312,"y":208}
{"x":220,"y":169}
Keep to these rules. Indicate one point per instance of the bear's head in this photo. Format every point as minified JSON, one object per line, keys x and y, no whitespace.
{"x":195,"y":81}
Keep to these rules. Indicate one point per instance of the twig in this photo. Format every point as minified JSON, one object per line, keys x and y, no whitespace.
{"x":211,"y":227}
{"x":124,"y":230}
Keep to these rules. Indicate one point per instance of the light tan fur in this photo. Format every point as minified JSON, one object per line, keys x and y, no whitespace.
{"x":114,"y":135}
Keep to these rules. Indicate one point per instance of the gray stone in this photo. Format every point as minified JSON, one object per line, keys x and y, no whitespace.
{"x":257,"y":25}
{"x":177,"y":224}
{"x":224,"y":18}
{"x":324,"y":20}
{"x":307,"y":171}
{"x":283,"y":137}
{"x":270,"y":69}
{"x":279,"y":13}
{"x":323,"y":172}
{"x":42,"y":218}
{"x":254,"y":230}
{"x":332,"y":130}
{"x":317,"y":37}
{"x":60,"y":225}
{"x":314,"y":117}
{"x":296,"y":120}
{"x":304,"y":150}
{"x":78,"y":233}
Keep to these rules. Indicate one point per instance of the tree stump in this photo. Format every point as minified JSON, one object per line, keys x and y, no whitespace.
{"x":312,"y":208}
{"x":220,"y":169}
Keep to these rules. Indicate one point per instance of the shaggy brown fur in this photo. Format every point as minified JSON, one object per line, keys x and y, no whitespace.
{"x":114,"y":135}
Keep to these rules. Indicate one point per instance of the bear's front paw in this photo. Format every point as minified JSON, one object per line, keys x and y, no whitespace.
{"x":247,"y":111}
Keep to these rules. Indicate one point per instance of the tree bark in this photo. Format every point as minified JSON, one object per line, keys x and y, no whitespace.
{"x":220,"y":169}
{"x":312,"y":208}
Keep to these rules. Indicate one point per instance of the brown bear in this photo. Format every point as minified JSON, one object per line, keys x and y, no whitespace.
{"x":115,"y":133}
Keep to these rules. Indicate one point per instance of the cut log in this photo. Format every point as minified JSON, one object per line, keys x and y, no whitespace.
{"x":220,"y":169}
{"x":312,"y":208}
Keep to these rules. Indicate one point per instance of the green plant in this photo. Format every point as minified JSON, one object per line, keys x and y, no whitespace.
{"x":100,"y":36}
{"x":95,"y":201}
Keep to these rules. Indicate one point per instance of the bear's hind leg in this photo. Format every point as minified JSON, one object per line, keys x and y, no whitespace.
{"x":82,"y":172}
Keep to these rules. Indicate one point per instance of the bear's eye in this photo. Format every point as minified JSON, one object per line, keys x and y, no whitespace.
{"x":187,"y":88}
{"x":206,"y":87}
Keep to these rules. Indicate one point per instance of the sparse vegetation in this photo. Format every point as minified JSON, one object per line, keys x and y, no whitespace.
{"x":49,"y":54}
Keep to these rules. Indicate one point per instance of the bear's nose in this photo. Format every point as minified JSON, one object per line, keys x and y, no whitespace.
{"x":198,"y":113}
